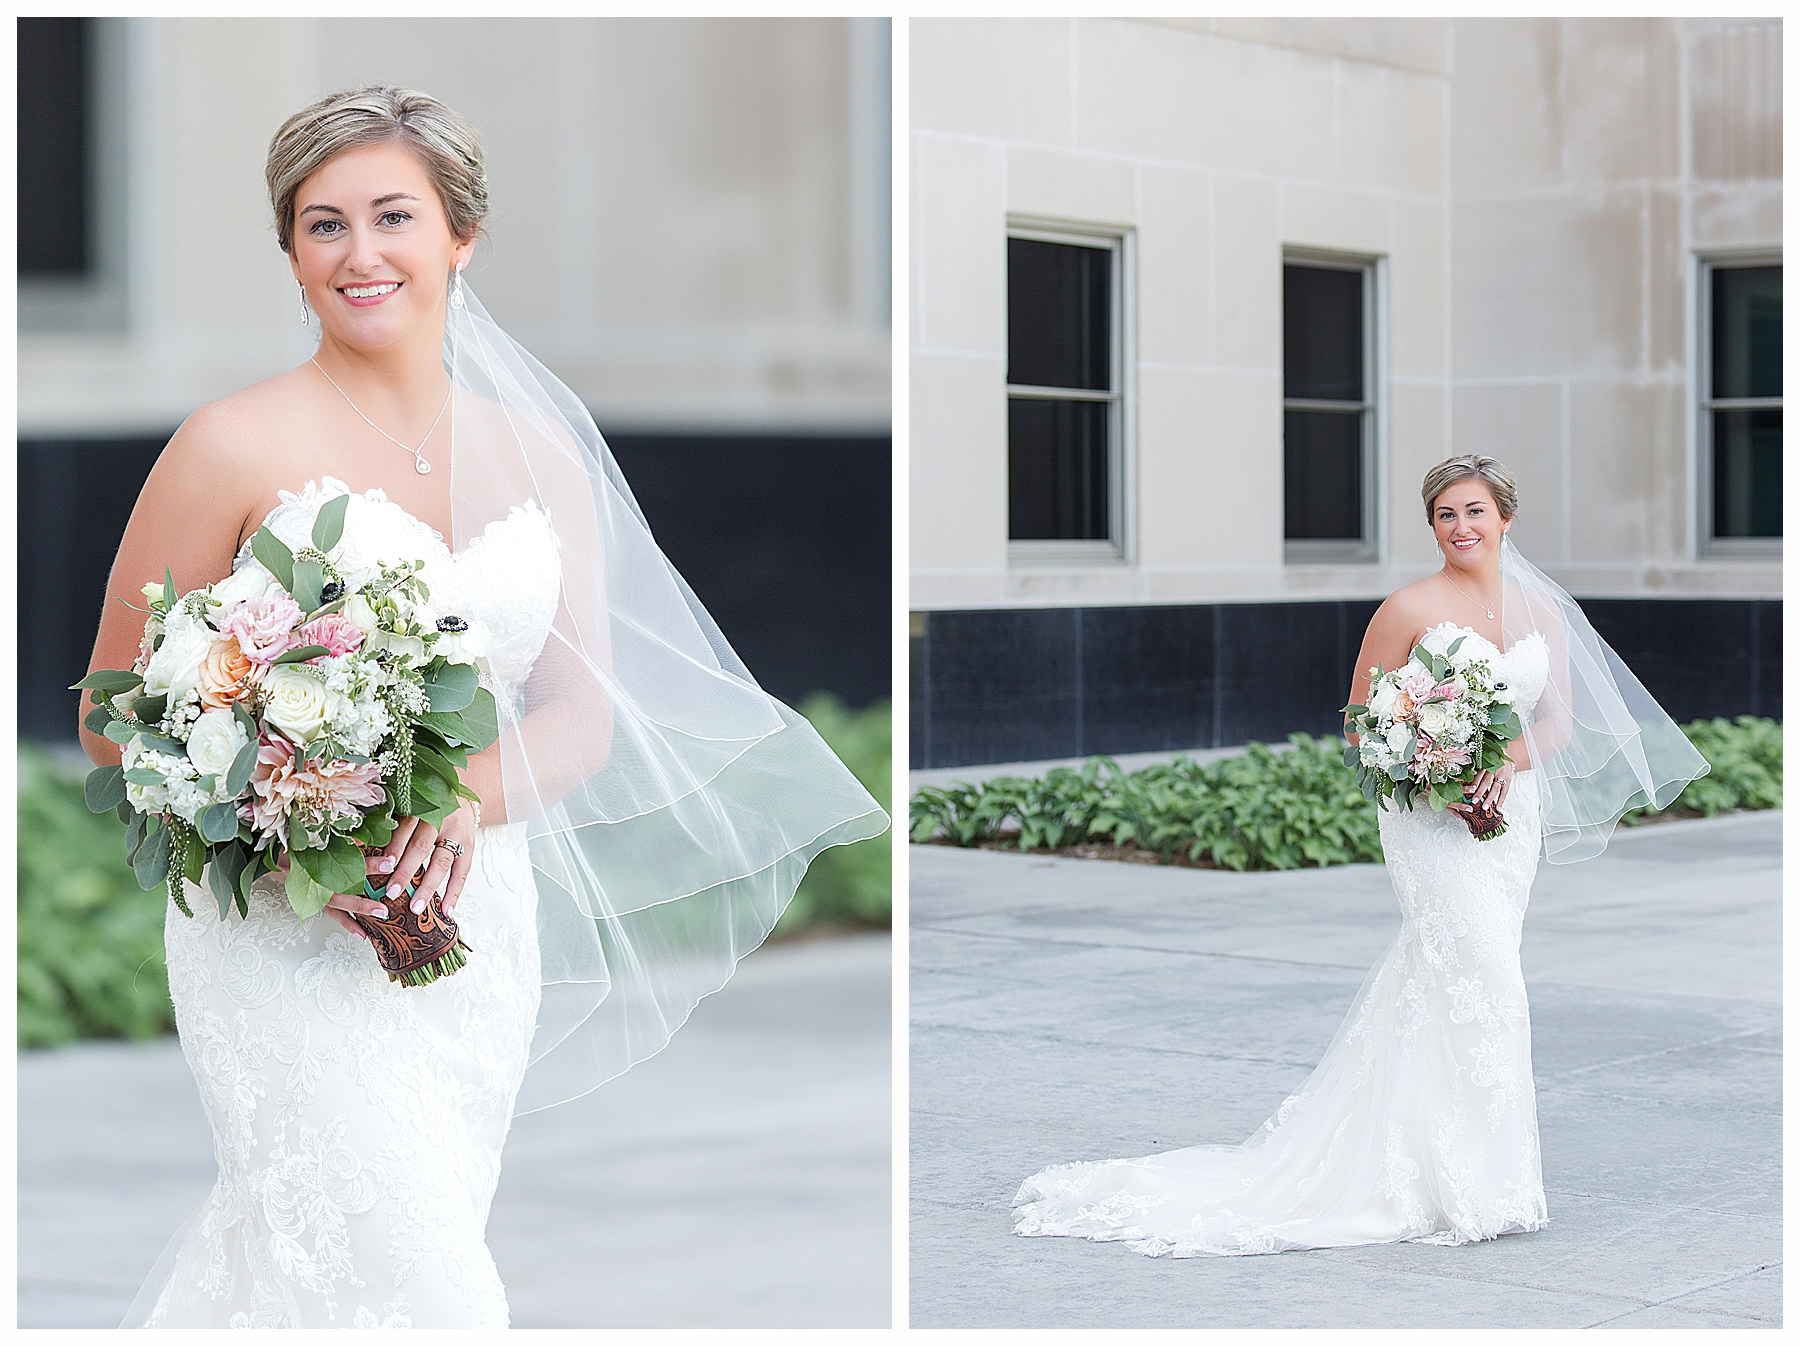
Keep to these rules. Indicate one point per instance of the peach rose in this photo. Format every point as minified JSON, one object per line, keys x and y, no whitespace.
{"x":222,"y":674}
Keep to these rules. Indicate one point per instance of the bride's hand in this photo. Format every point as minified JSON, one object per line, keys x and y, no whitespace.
{"x":1489,"y":790}
{"x":444,"y":856}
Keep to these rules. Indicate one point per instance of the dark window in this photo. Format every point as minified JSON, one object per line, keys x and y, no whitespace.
{"x":1058,"y":315}
{"x":55,"y":64}
{"x":1326,"y":418}
{"x":1062,"y":415}
{"x":1744,"y":405}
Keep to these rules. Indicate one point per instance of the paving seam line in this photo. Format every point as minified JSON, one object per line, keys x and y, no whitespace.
{"x":1135,"y":948}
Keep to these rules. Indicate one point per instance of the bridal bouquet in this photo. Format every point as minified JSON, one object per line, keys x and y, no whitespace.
{"x":293,"y":711}
{"x":1430,"y":726}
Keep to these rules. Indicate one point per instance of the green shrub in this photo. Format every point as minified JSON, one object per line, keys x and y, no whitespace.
{"x":1261,"y":809}
{"x":90,"y":940}
{"x":850,"y":885}
{"x":1264,"y":809}
{"x":1745,"y":756}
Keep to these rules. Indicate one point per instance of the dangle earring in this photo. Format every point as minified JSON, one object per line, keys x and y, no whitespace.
{"x":456,"y":294}
{"x":305,"y":312}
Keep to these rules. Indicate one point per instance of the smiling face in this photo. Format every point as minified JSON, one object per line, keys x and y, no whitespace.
{"x":1468,"y":525}
{"x":373,"y":247}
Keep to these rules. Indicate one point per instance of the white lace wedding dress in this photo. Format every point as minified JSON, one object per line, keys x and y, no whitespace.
{"x":1420,"y":1124}
{"x":358,"y":1123}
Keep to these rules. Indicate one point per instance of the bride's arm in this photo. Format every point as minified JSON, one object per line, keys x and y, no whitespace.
{"x":187,"y":518}
{"x":565,"y":733}
{"x":1388,"y":642}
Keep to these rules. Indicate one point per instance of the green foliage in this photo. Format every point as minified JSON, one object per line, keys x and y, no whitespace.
{"x":1264,"y":809}
{"x":1259,"y":810}
{"x":1745,"y":756}
{"x":850,"y":885}
{"x":90,"y":939}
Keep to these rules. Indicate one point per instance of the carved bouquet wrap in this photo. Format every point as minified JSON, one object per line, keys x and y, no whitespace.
{"x":1430,"y":727}
{"x":293,"y":711}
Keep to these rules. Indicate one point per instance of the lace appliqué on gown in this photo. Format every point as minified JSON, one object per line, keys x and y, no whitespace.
{"x":357,"y":1124}
{"x":1420,"y":1123}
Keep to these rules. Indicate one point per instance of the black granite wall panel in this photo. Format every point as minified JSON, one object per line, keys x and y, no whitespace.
{"x":1021,"y":685}
{"x":1147,"y":677}
{"x":1004,"y":685}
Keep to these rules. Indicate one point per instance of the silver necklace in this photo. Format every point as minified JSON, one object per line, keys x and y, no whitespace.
{"x":1485,"y":607}
{"x":418,"y":454}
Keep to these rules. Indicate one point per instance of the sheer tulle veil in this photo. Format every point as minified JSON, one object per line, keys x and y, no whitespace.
{"x":1599,"y":741}
{"x":672,"y":805}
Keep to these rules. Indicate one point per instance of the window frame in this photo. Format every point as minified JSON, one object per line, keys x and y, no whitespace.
{"x":1115,"y":549}
{"x":98,"y":302}
{"x":1704,"y":404}
{"x":1367,"y":550}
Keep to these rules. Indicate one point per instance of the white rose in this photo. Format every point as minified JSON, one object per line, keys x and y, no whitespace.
{"x":1397,"y":739}
{"x":296,"y":702}
{"x":175,"y":667}
{"x":463,"y":647}
{"x":215,"y":741}
{"x":250,"y":580}
{"x":1382,"y":699}
{"x":1436,"y":719}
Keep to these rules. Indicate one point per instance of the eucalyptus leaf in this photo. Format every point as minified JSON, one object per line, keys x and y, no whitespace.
{"x":241,"y":768}
{"x":97,"y":719}
{"x":301,"y":653}
{"x":451,"y":686}
{"x":218,"y":822}
{"x":275,"y":556}
{"x":111,"y":681}
{"x":328,"y":524}
{"x":151,"y":863}
{"x":104,"y":788}
{"x":120,"y":732}
{"x":309,"y":583}
{"x":150,"y":709}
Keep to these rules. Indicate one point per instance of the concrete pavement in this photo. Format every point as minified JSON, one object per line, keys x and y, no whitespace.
{"x":741,"y":1178}
{"x":1070,"y":1009}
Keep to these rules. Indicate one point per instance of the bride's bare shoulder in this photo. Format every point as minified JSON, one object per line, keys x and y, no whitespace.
{"x":214,"y":471}
{"x":1411,"y":608}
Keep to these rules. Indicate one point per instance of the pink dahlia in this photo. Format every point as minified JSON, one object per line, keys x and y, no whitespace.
{"x":282,"y":785}
{"x":336,"y":632}
{"x":264,"y":627}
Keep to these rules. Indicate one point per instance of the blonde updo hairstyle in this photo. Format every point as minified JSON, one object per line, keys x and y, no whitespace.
{"x":446,"y":145}
{"x":1472,"y":466}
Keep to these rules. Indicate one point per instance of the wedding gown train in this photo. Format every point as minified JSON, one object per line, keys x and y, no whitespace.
{"x":357,"y":1123}
{"x":1420,"y":1123}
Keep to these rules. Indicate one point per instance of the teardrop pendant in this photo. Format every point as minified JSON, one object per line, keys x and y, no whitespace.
{"x":422,"y":466}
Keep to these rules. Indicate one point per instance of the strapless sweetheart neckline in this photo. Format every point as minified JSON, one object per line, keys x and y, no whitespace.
{"x":329,"y":487}
{"x":1471,"y":631}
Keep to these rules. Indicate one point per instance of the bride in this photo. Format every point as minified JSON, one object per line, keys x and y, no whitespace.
{"x":644,"y":816}
{"x":1420,"y":1124}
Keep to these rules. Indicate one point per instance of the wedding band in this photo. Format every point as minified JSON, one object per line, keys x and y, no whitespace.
{"x":455,"y":849}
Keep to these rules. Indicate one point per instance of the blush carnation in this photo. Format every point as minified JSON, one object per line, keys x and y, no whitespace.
{"x":336,"y":632}
{"x":264,"y":627}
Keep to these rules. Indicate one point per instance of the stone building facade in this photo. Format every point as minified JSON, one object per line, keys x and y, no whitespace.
{"x":1196,"y":303}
